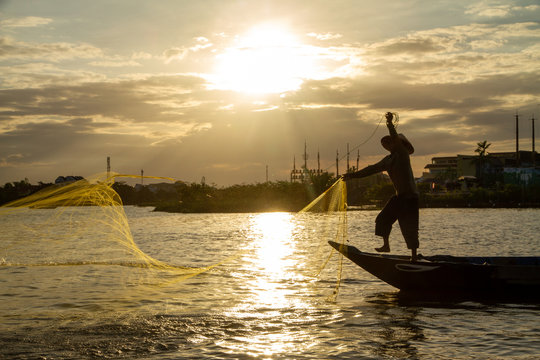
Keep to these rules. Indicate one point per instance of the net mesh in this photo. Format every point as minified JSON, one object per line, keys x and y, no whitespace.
{"x":89,"y":227}
{"x":333,"y":204}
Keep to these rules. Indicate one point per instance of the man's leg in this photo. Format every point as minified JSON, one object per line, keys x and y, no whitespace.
{"x":414,"y":257}
{"x":408,"y":223}
{"x":386,"y":245}
{"x":384,"y":221}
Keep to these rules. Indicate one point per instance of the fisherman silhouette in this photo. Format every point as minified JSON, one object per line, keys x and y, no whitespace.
{"x":403,"y":206}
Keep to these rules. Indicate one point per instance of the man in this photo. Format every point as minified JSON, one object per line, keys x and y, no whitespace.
{"x":404,"y":205}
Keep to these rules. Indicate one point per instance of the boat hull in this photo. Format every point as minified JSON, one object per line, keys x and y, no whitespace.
{"x":438,"y":274}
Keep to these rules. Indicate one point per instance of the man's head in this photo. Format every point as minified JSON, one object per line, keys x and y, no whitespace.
{"x":389,"y":144}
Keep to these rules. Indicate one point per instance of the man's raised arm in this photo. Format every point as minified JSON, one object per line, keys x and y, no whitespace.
{"x":368,"y":170}
{"x":390,"y":124}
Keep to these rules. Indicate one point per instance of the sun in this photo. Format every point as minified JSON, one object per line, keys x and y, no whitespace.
{"x":267,"y":59}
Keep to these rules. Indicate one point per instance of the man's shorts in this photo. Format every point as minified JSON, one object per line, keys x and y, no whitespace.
{"x":405,"y":210}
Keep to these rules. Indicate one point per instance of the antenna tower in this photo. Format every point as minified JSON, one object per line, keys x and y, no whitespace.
{"x":533,"y":152}
{"x":108,"y":166}
{"x":318,"y":162}
{"x":348,"y":166}
{"x":517,"y":139}
{"x":305,"y":155}
{"x":337,"y":163}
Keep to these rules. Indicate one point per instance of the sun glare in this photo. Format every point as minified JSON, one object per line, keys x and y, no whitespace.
{"x":274,"y":234}
{"x":267,"y":59}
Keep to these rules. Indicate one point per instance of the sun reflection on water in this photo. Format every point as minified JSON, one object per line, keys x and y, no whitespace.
{"x":272,"y":233}
{"x":273,"y":261}
{"x":276,"y":291}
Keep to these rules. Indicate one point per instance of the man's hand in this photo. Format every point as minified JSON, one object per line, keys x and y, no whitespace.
{"x":389,"y":117}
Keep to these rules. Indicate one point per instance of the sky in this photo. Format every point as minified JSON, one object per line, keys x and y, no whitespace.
{"x":223,"y":90}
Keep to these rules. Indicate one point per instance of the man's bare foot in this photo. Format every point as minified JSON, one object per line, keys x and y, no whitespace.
{"x":384,"y":248}
{"x":414,"y":257}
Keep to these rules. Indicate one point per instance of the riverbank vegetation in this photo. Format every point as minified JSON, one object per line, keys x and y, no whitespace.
{"x":197,"y":198}
{"x":505,"y":196}
{"x":19,"y":189}
{"x":286,"y":196}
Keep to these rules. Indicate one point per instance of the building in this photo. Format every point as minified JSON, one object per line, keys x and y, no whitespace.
{"x":441,"y":167}
{"x":499,"y":167}
{"x":522,"y":176}
{"x":67,"y":179}
{"x":304,"y":174}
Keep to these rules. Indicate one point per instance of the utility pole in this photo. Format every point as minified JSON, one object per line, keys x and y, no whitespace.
{"x":293,"y":174}
{"x":142,"y":177}
{"x":108,"y":167}
{"x":318,"y":162}
{"x":358,"y":161}
{"x":348,"y":166}
{"x":533,"y":152}
{"x":517,"y":139}
{"x":266,"y":173}
{"x":305,"y":155}
{"x":305,"y":174}
{"x":337,"y":163}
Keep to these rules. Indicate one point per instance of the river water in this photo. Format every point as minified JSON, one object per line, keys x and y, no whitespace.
{"x":263,"y":300}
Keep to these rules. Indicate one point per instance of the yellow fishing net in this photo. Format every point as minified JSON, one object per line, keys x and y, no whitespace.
{"x":89,"y":226}
{"x":333,"y":205}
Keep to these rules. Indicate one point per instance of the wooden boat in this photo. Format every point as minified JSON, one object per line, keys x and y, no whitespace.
{"x":451,"y":274}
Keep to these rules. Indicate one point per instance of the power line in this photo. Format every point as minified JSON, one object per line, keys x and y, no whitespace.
{"x":396,"y":121}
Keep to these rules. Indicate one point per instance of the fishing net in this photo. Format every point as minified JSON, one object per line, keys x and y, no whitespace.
{"x":332,"y":200}
{"x":87,"y":227}
{"x":84,"y":223}
{"x":332,"y":206}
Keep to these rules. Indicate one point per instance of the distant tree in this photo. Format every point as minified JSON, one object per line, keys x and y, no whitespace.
{"x":322,"y":182}
{"x":482,"y":159}
{"x":126,"y":192}
{"x":482,"y":148}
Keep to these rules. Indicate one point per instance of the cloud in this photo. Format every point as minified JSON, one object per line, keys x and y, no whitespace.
{"x":112,"y":63}
{"x":152,"y":99}
{"x":180,"y":53}
{"x":457,"y":54}
{"x":201,"y":44}
{"x":174,"y":53}
{"x":53,"y":148}
{"x":326,"y":36}
{"x":141,"y":55}
{"x":498,"y":9}
{"x":409,"y":46}
{"x":10,"y":160}
{"x":23,"y":22}
{"x":13,"y":49}
{"x":39,"y":75}
{"x":487,"y":9}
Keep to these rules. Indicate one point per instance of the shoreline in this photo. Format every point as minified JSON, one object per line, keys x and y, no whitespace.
{"x":351,"y":208}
